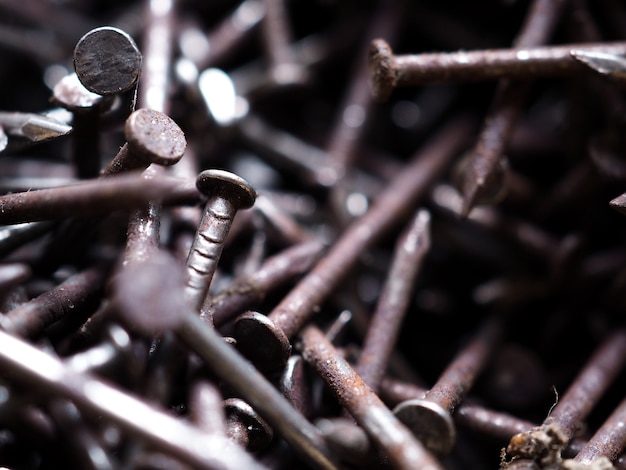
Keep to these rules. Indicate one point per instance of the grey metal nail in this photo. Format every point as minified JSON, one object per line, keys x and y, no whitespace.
{"x":226,"y":193}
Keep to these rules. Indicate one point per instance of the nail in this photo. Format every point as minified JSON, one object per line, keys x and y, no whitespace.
{"x":392,"y":438}
{"x":31,"y":318}
{"x":608,"y":442}
{"x":411,"y":248}
{"x":270,"y":335}
{"x":390,"y":71}
{"x":107,"y":61}
{"x":501,"y":426}
{"x":430,"y":418}
{"x":580,"y":398}
{"x":295,"y":385}
{"x":114,"y":348}
{"x":163,"y":276}
{"x":151,"y":137}
{"x":138,"y":419}
{"x":92,"y":197}
{"x":245,"y":426}
{"x":483,"y":177}
{"x":226,"y":193}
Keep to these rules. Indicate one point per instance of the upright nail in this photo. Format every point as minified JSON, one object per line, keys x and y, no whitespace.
{"x":226,"y":194}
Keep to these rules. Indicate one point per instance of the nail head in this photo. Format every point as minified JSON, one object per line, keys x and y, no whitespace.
{"x":107,"y":61}
{"x":430,"y":423}
{"x":261,"y":341}
{"x":226,"y":184}
{"x":260,"y":434}
{"x":155,"y":135}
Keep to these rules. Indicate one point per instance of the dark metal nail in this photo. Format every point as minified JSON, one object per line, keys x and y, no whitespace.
{"x":411,"y":248}
{"x":163,"y":276}
{"x":92,"y":197}
{"x":31,"y":318}
{"x":393,"y":439}
{"x":34,"y":127}
{"x":107,"y":61}
{"x":226,"y":193}
{"x":430,"y":418}
{"x":390,"y":71}
{"x":152,"y":137}
{"x":256,"y":333}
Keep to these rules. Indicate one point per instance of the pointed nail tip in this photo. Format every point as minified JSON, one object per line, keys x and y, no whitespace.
{"x":619,"y":204}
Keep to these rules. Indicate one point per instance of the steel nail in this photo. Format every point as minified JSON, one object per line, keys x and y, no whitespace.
{"x":152,"y":137}
{"x":226,"y":194}
{"x":393,"y":439}
{"x":270,"y":334}
{"x":93,"y":197}
{"x":411,"y":248}
{"x":430,"y":417}
{"x":31,"y":318}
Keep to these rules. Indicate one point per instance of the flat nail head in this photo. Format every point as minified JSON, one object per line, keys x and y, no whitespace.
{"x":260,"y":434}
{"x":430,"y":423}
{"x":384,"y":75}
{"x":261,"y":341}
{"x":107,"y":61}
{"x":156,"y":136}
{"x":141,"y":287}
{"x":226,"y":184}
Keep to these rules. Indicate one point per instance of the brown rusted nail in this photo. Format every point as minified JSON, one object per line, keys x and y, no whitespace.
{"x":152,"y":137}
{"x":393,"y":439}
{"x":386,"y":322}
{"x":226,"y":193}
{"x":298,"y":306}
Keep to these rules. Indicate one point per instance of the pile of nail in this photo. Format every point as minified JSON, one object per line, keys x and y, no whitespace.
{"x":333,"y":234}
